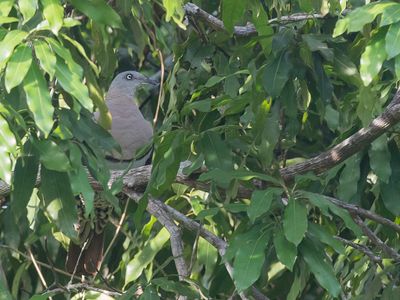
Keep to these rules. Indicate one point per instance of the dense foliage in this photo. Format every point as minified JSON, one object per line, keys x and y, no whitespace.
{"x":241,"y":106}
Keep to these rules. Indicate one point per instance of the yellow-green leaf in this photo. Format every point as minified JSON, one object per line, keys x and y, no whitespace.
{"x":27,"y":8}
{"x":17,"y":67}
{"x":54,"y":14}
{"x":38,"y":99}
{"x":7,"y":45}
{"x":7,"y":147}
{"x":46,"y":57}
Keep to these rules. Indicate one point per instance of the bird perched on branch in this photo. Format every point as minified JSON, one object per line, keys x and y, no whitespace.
{"x":131,"y":131}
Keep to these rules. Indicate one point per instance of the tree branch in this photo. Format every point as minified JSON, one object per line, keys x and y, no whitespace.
{"x":362,"y":248}
{"x":196,"y":12}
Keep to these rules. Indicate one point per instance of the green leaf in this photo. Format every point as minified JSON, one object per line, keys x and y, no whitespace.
{"x":73,"y":85}
{"x":214,"y":80}
{"x":325,"y":237}
{"x":373,"y":57}
{"x":46,"y":57}
{"x":392,"y":40}
{"x":7,"y":45}
{"x":145,"y":256}
{"x":177,"y":288}
{"x":8,"y":145}
{"x":349,"y":177}
{"x":295,"y":221}
{"x":232,"y":12}
{"x":52,"y":156}
{"x":38,"y":99}
{"x":98,"y":11}
{"x":261,"y":202}
{"x":5,"y":7}
{"x":17,"y":67}
{"x":54,"y":14}
{"x":276,"y":74}
{"x":4,"y":291}
{"x":391,"y":14}
{"x":7,"y":20}
{"x":216,"y":152}
{"x":286,"y":251}
{"x":397,"y":66}
{"x":149,"y":294}
{"x":391,"y":190}
{"x":174,"y":9}
{"x":28,"y":9}
{"x":249,"y":260}
{"x":59,"y":200}
{"x":207,"y":255}
{"x":24,"y":180}
{"x":320,"y":267}
{"x":379,"y":158}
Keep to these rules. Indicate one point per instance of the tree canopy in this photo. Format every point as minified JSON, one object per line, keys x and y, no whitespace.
{"x":276,"y":165}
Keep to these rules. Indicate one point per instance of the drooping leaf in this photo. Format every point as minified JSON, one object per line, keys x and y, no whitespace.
{"x":276,"y":74}
{"x":52,"y":156}
{"x":73,"y":85}
{"x":174,"y":9}
{"x":391,"y":14}
{"x":175,"y":287}
{"x":7,"y":45}
{"x":379,"y":158}
{"x":8,"y":145}
{"x":145,"y":256}
{"x":28,"y":8}
{"x":207,"y":255}
{"x":5,"y":7}
{"x":17,"y":66}
{"x":216,"y":153}
{"x":320,"y":267}
{"x":295,"y":221}
{"x":249,"y":260}
{"x":261,"y":201}
{"x":232,"y":11}
{"x":391,"y":190}
{"x":392,"y":40}
{"x":38,"y":99}
{"x":285,"y":250}
{"x":99,"y":11}
{"x":24,"y":180}
{"x":59,"y":200}
{"x":46,"y":57}
{"x":348,"y":181}
{"x":54,"y":14}
{"x":373,"y":57}
{"x":325,"y":237}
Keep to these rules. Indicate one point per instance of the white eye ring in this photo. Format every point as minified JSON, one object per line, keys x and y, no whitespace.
{"x":129,"y":76}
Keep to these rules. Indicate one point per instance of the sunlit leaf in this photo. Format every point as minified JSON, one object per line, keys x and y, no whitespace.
{"x":54,"y":13}
{"x":392,"y":40}
{"x":28,"y":8}
{"x":17,"y":66}
{"x":7,"y":45}
{"x":38,"y":99}
{"x":46,"y":57}
{"x":7,"y":147}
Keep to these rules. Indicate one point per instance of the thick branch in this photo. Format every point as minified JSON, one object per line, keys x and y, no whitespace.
{"x":349,"y":146}
{"x":248,"y":30}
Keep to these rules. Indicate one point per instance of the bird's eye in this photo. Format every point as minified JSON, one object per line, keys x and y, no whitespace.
{"x":129,"y":76}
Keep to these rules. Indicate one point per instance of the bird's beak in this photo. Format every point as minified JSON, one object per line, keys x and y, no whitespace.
{"x":152,"y":82}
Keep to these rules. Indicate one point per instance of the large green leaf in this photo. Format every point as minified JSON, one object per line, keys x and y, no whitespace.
{"x":17,"y":67}
{"x":285,"y":250}
{"x":38,"y":99}
{"x":348,"y":181}
{"x":7,"y":45}
{"x":207,"y":255}
{"x":24,"y":180}
{"x":325,"y":237}
{"x":391,"y":190}
{"x":98,"y":11}
{"x":5,"y":7}
{"x":261,"y":201}
{"x":379,"y":158}
{"x":295,"y":221}
{"x":249,"y":260}
{"x":54,"y":14}
{"x":391,"y":14}
{"x":373,"y":57}
{"x":27,"y":8}
{"x":216,"y":152}
{"x":52,"y":156}
{"x":174,"y":9}
{"x":320,"y":267}
{"x":276,"y":74}
{"x":46,"y":57}
{"x":175,"y":287}
{"x":392,"y":40}
{"x":8,"y":144}
{"x":145,"y":256}
{"x":73,"y":85}
{"x":59,"y":200}
{"x":232,"y":11}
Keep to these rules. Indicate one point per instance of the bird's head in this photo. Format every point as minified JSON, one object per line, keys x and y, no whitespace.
{"x":127,"y":82}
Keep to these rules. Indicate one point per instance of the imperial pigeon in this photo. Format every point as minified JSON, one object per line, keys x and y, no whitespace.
{"x":131,"y":131}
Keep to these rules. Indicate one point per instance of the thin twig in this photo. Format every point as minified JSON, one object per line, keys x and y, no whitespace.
{"x":375,"y":239}
{"x":362,"y":248}
{"x":81,"y":286}
{"x":35,"y":264}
